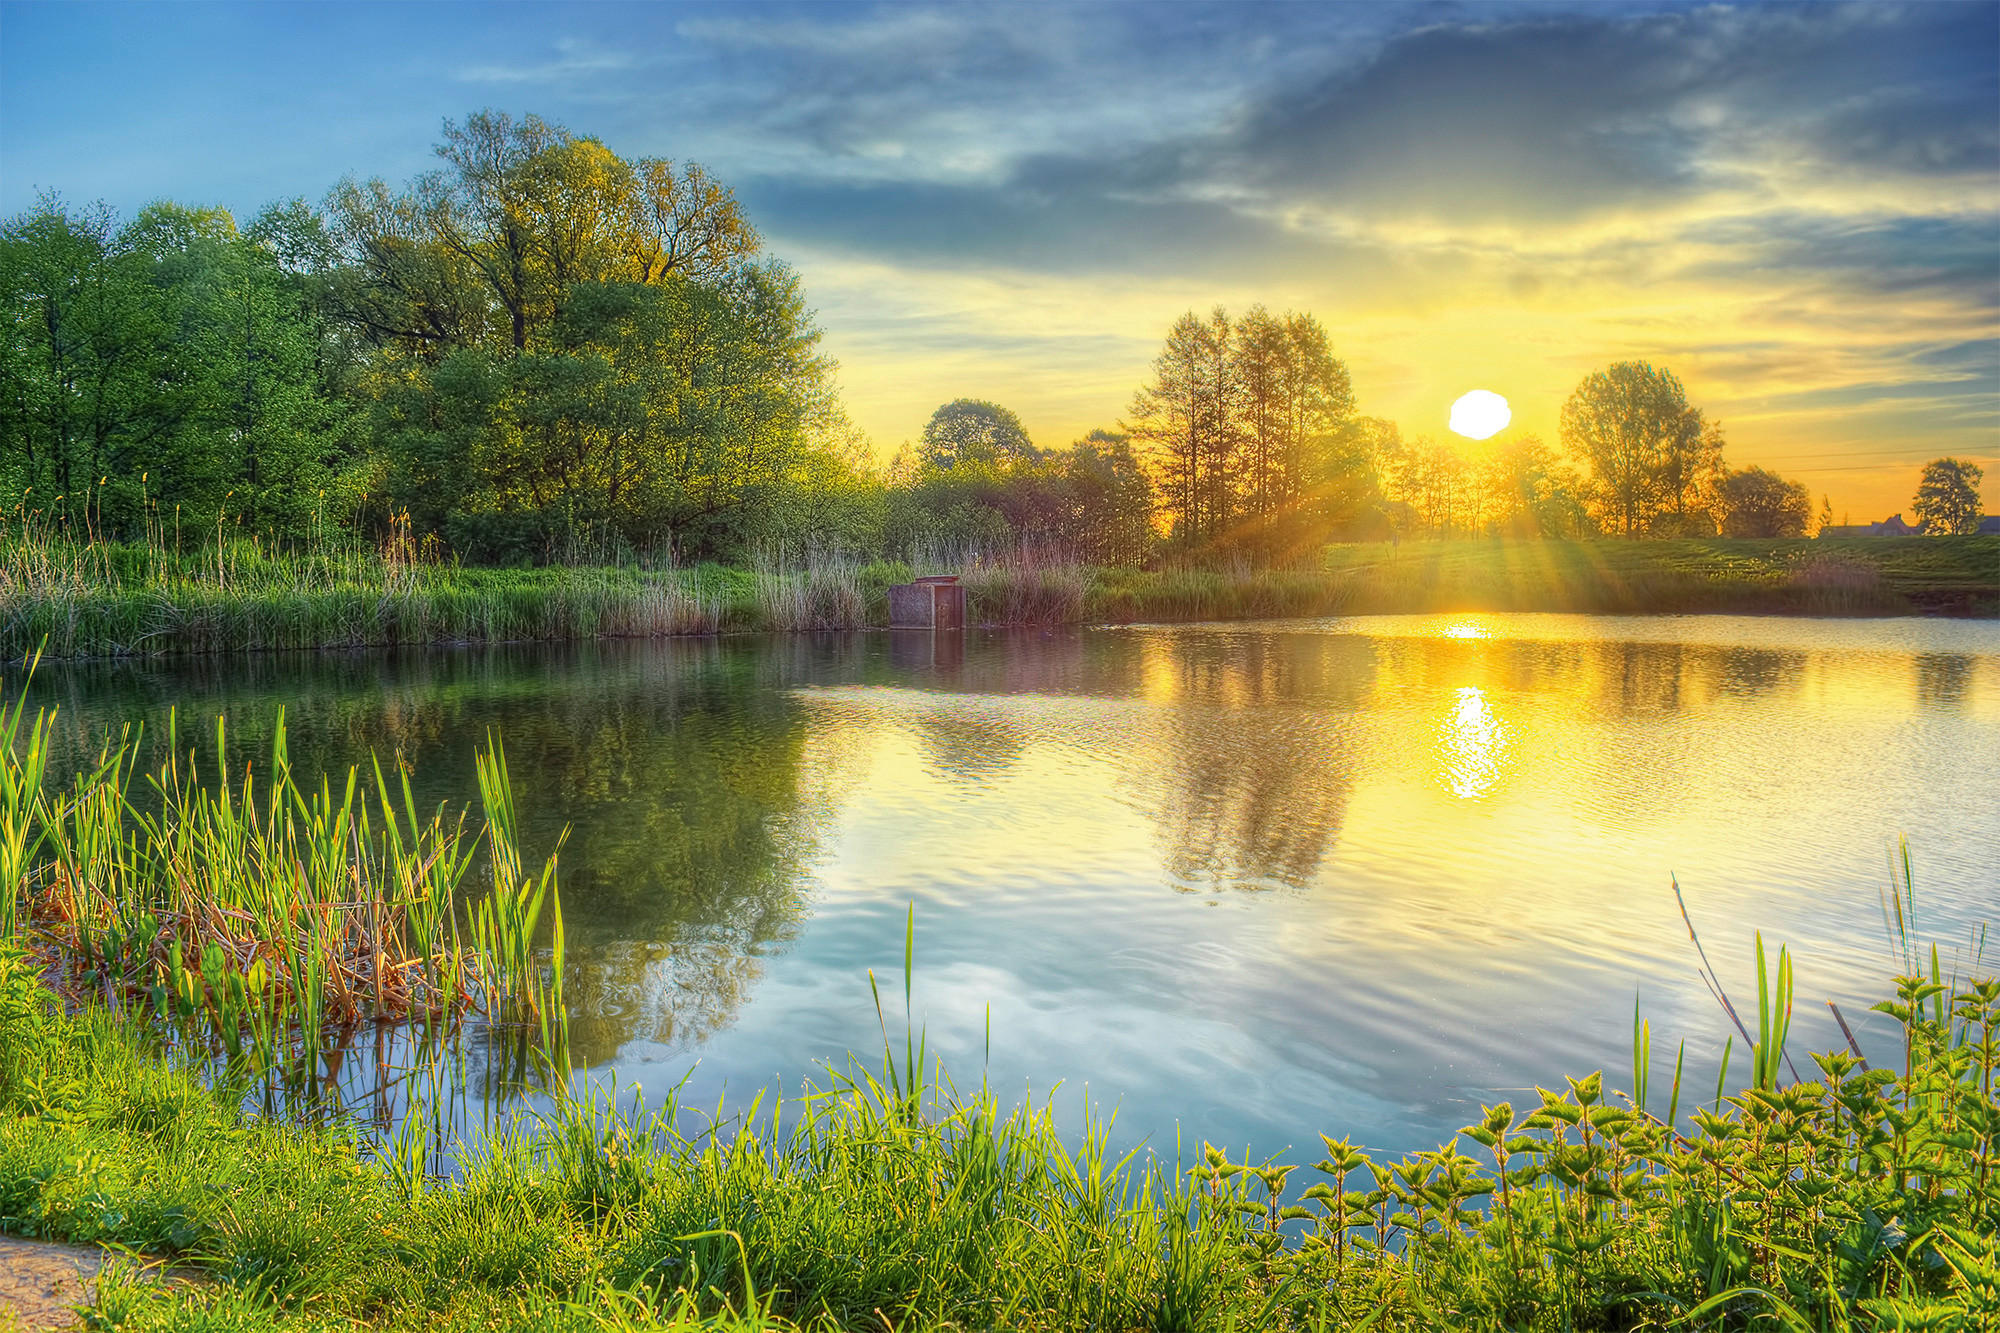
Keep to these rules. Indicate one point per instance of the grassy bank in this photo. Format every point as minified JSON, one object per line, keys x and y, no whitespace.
{"x":1856,"y":1200}
{"x":99,"y":600}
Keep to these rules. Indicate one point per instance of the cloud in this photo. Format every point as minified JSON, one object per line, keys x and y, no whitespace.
{"x":576,"y":60}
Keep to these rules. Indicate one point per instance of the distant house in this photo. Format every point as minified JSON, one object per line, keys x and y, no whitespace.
{"x":1988,"y":526}
{"x":1892,"y":526}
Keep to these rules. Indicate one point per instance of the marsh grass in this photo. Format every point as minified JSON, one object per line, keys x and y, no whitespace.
{"x":97,"y":599}
{"x":267,"y":921}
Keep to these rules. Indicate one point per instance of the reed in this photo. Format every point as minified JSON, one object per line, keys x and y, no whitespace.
{"x":264,"y":916}
{"x":95,"y":599}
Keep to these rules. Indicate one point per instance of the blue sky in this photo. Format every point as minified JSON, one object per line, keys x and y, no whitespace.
{"x":1798,"y":209}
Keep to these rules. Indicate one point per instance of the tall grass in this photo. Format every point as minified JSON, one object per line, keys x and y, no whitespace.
{"x":96,"y":599}
{"x":821,"y":592}
{"x":267,"y":917}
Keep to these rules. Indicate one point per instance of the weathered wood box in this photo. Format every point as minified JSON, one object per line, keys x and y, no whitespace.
{"x":936,"y":601}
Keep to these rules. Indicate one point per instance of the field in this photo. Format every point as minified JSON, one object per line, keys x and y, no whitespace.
{"x":113,"y":600}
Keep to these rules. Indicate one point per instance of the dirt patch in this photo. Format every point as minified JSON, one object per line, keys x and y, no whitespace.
{"x":41,"y":1283}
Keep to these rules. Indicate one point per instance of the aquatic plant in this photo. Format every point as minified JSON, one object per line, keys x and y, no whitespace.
{"x":264,"y":915}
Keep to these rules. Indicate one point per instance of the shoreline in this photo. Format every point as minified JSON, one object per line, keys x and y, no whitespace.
{"x":111,"y":603}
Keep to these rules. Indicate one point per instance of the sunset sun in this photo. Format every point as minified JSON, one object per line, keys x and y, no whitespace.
{"x":1480,"y":414}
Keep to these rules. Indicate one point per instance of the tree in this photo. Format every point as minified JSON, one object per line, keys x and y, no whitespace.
{"x":1262,"y":363}
{"x":971,"y":430}
{"x":1527,"y":490}
{"x":1649,"y":451}
{"x":1825,"y":516}
{"x":1435,"y":485}
{"x":1948,"y":496}
{"x":486,"y":249}
{"x":1758,"y":503}
{"x":1110,"y":500}
{"x":172,"y":362}
{"x":1319,"y":410}
{"x":1189,"y":416}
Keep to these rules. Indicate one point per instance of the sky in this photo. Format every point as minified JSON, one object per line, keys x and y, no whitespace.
{"x":1796,"y":209}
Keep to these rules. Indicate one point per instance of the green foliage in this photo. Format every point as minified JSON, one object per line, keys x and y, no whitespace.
{"x":1947,"y":500}
{"x":970,"y":430}
{"x":169,"y":370}
{"x":1092,"y":501}
{"x":1757,"y":503}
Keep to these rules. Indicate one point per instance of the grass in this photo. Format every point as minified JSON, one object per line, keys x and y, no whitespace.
{"x":266,"y":922}
{"x":1887,"y":576}
{"x":99,"y":600}
{"x":1863,"y":1198}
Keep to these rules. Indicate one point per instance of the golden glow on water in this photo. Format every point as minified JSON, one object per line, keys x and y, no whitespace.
{"x":1471,"y":746}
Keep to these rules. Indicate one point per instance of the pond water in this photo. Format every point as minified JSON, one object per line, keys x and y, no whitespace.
{"x":1245,"y":883}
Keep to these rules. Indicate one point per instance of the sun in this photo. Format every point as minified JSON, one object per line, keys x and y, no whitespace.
{"x":1480,"y":414}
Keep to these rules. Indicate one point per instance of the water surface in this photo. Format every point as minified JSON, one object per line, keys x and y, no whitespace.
{"x":1251,"y":882}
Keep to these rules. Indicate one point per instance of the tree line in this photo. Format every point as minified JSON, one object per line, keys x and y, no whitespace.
{"x":540,"y":350}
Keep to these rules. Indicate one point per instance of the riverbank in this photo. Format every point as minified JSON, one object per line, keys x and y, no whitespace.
{"x":117,"y":601}
{"x":1857,"y":1201}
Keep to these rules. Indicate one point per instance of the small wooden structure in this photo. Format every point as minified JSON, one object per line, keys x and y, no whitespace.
{"x":934,"y":602}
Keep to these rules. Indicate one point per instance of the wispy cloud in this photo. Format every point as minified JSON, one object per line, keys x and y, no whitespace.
{"x":575,"y":60}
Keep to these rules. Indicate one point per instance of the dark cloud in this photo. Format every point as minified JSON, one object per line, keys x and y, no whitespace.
{"x":1956,"y":257}
{"x":1543,"y":120}
{"x":935,"y":225}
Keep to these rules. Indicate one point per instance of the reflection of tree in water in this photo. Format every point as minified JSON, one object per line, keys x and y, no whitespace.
{"x":1260,"y":756}
{"x":962,"y":742}
{"x":675,"y":765}
{"x":1756,"y":671}
{"x":1943,"y":678}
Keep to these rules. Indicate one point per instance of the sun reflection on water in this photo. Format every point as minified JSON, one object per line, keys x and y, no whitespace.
{"x":1472,"y":745}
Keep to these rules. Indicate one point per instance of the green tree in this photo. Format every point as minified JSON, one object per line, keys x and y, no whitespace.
{"x":171,"y":363}
{"x":84,"y":372}
{"x":1189,"y":416}
{"x":487,"y":248}
{"x":1110,"y":501}
{"x":1948,"y":496}
{"x":972,"y":430}
{"x":1759,"y":503}
{"x":569,"y":351}
{"x":1650,"y":452}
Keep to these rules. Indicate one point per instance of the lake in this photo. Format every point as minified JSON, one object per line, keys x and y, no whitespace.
{"x":1248,"y":882}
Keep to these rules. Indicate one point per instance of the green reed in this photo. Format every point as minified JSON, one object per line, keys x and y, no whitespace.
{"x":267,"y":915}
{"x":230,"y":593}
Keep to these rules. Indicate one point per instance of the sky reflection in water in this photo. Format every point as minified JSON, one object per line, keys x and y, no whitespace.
{"x":1257,"y":880}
